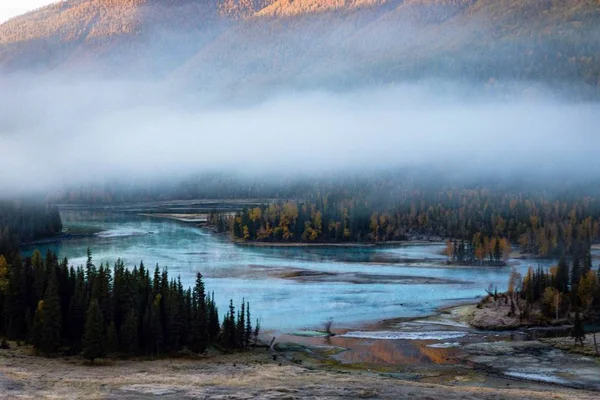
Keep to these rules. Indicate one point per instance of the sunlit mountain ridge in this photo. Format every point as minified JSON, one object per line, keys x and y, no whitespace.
{"x":258,"y":44}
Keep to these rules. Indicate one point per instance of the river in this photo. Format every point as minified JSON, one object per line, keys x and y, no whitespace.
{"x":288,"y":288}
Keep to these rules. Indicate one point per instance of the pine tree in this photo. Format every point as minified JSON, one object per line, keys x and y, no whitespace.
{"x":199,"y":324}
{"x":561,"y":280}
{"x":575,"y":272}
{"x":156,"y":325}
{"x":77,"y":309}
{"x":578,"y":332}
{"x":248,"y":332}
{"x":39,"y":275}
{"x":256,"y":332}
{"x":51,"y":325}
{"x":92,"y":339}
{"x":241,"y":326}
{"x":37,"y":327}
{"x":16,"y":302}
{"x":214,"y":326}
{"x":229,"y":331}
{"x":112,"y":339}
{"x":130,"y":334}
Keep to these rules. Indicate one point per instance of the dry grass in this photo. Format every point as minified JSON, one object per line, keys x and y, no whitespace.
{"x":568,"y":344}
{"x":249,"y":375}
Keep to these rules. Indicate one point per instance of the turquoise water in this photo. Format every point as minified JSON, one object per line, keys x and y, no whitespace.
{"x":253,"y":273}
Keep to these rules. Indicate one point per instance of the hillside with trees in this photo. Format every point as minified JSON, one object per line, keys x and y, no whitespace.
{"x":247,"y":46}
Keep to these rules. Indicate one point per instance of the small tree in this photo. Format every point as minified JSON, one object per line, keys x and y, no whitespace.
{"x":578,"y":332}
{"x":256,"y":333}
{"x":328,"y":324}
{"x":92,"y":338}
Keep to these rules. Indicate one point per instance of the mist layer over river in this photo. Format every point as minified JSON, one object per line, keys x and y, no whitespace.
{"x":288,"y":288}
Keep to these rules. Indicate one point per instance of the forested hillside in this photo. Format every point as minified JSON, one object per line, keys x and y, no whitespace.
{"x":252,"y":45}
{"x":26,"y":221}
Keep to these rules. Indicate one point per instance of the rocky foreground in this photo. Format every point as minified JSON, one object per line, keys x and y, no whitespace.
{"x":251,"y":375}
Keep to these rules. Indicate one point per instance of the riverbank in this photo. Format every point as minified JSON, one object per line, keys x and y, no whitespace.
{"x":254,"y":374}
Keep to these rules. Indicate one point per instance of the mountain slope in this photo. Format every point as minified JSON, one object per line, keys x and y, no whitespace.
{"x":254,"y":44}
{"x":103,"y":33}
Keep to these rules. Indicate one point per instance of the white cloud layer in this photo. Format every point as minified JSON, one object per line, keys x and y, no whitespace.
{"x":53,"y":134}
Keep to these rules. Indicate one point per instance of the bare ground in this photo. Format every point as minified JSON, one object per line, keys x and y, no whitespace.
{"x":252,"y":375}
{"x":588,"y":348}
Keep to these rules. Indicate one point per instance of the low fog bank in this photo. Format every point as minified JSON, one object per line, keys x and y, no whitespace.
{"x":59,"y":134}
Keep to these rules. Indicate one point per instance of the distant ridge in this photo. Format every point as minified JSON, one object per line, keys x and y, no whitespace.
{"x":252,"y":44}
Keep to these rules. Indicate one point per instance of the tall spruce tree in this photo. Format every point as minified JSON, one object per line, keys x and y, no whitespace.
{"x":77,"y":310}
{"x":200,"y":317}
{"x":130,"y":334}
{"x":16,"y":303}
{"x":214,"y":325}
{"x":112,"y":339}
{"x":561,"y":280}
{"x":51,"y":325}
{"x":241,"y":326}
{"x":37,"y":334}
{"x":248,"y":333}
{"x":575,"y":271}
{"x":93,"y":347}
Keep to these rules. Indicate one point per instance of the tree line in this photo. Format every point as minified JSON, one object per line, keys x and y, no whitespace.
{"x":24,"y":221}
{"x":487,"y":220}
{"x":99,"y":311}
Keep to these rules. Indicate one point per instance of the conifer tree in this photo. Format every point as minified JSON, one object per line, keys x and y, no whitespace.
{"x":77,"y":310}
{"x":575,"y":271}
{"x":173,"y":317}
{"x":156,"y":325}
{"x":130,"y":334}
{"x":16,"y":302}
{"x":39,"y":275}
{"x":199,"y":326}
{"x":241,"y":326}
{"x":561,"y":281}
{"x":37,"y":327}
{"x":229,"y":325}
{"x":93,"y":337}
{"x":51,"y":325}
{"x":248,"y":332}
{"x":578,"y":332}
{"x":214,"y":324}
{"x":112,"y":339}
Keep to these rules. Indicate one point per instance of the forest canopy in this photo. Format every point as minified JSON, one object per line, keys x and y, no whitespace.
{"x":99,"y":310}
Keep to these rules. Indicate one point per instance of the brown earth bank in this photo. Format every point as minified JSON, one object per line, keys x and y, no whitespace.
{"x":498,"y":314}
{"x":249,"y":375}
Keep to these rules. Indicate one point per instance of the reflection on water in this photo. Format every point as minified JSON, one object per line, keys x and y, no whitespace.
{"x":283,"y":304}
{"x":380,"y":352}
{"x":392,"y":352}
